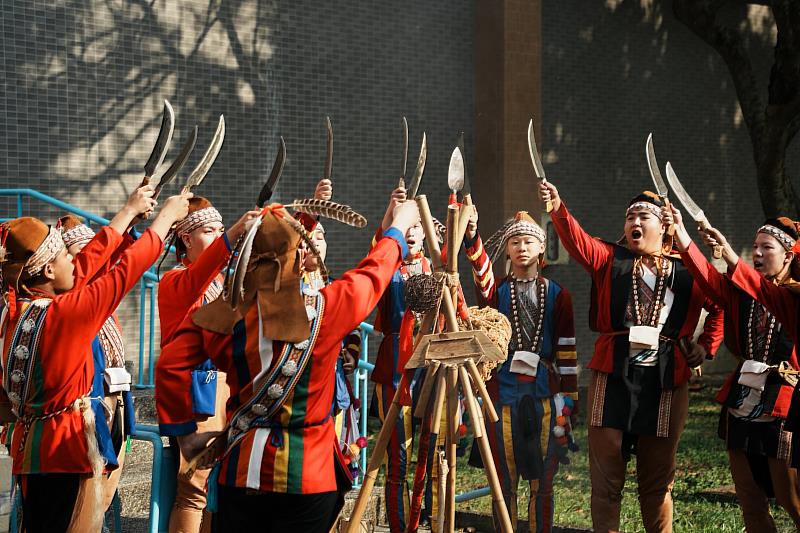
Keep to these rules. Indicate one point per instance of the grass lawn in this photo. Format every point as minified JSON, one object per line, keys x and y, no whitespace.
{"x":702,"y":465}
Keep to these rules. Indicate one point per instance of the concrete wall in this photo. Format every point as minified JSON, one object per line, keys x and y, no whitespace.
{"x":83,"y":84}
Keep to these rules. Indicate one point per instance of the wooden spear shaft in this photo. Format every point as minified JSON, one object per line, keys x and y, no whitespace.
{"x":376,"y":459}
{"x":486,"y":452}
{"x":451,"y":445}
{"x":436,"y":258}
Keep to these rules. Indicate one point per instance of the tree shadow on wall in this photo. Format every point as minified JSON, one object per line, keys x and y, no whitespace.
{"x":84,"y":81}
{"x":620,"y":69}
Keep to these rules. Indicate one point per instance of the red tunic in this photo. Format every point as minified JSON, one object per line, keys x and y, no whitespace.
{"x":600,"y":260}
{"x":181,"y":290}
{"x":65,"y":367}
{"x":780,"y":301}
{"x":304,"y":463}
{"x":724,"y":292}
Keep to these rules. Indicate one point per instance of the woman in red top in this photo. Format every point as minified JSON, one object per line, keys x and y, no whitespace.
{"x":755,"y":400}
{"x":203,"y":249}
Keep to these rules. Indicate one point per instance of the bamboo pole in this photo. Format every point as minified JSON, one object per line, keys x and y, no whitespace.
{"x":376,"y":460}
{"x":482,"y":392}
{"x":435,"y":252}
{"x":472,"y":403}
{"x":427,"y":387}
{"x":428,"y":437}
{"x":486,"y":455}
{"x":451,"y":444}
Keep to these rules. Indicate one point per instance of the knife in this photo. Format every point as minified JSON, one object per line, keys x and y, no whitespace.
{"x":199,"y":173}
{"x":176,"y":165}
{"x":423,"y":156}
{"x":691,"y":207}
{"x":402,"y":182}
{"x":658,"y":180}
{"x":277,"y":168}
{"x":162,"y":143}
{"x":538,"y":168}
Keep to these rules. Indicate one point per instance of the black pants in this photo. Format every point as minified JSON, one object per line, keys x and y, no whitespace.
{"x":48,"y":501}
{"x":241,"y":510}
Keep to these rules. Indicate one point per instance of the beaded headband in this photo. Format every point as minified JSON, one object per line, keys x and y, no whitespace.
{"x":198,"y":219}
{"x":80,"y":234}
{"x":46,"y":252}
{"x":496,"y":244}
{"x":644,"y":206}
{"x":784,"y":238}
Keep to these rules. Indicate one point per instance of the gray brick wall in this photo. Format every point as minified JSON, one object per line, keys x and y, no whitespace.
{"x":83,"y":81}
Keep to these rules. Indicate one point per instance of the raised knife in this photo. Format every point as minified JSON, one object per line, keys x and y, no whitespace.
{"x":277,"y":168}
{"x":691,"y":207}
{"x":415,"y":181}
{"x":538,"y":169}
{"x":178,"y":163}
{"x":162,"y":143}
{"x":402,"y":181}
{"x":202,"y":168}
{"x":658,"y":180}
{"x":329,"y":151}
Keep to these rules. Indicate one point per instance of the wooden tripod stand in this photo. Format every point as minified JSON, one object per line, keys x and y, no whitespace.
{"x":450,"y":358}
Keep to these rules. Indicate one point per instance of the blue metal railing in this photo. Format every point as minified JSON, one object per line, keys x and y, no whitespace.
{"x":147,"y":285}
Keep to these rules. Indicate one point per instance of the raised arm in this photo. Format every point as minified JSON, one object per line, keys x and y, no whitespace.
{"x":718,"y":288}
{"x":482,"y":275}
{"x":591,"y":253}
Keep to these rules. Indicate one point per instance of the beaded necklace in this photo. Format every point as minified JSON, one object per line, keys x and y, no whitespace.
{"x":661,"y":265}
{"x":540,"y":287}
{"x":750,"y":329}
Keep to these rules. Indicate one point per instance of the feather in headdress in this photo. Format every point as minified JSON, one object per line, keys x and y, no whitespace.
{"x":441,"y":230}
{"x":493,"y":244}
{"x":325,"y":208}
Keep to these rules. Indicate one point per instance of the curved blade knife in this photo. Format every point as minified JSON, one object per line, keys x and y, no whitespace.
{"x":402,"y":181}
{"x":691,"y":207}
{"x":202,"y":168}
{"x":177,"y":164}
{"x":329,"y":153}
{"x":162,"y":143}
{"x":423,"y":156}
{"x":277,"y":168}
{"x":658,"y":180}
{"x":538,"y":168}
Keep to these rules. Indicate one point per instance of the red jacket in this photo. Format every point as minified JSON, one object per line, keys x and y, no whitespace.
{"x":737,"y":303}
{"x":63,"y":369}
{"x":181,"y":290}
{"x":609,"y":264}
{"x":303,"y":462}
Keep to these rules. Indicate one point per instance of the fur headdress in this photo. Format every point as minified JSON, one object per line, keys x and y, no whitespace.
{"x":26,"y":245}
{"x":74,"y":231}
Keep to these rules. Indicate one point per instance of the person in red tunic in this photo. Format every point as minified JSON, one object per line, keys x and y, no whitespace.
{"x":280,"y":459}
{"x":48,"y":324}
{"x":112,"y":400}
{"x":203,"y":248}
{"x":644,"y":305}
{"x":755,"y":400}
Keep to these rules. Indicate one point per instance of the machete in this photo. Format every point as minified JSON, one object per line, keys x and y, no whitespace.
{"x":691,"y":207}
{"x":277,"y":168}
{"x":202,"y":168}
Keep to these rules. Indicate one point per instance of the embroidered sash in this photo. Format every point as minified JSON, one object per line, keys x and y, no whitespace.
{"x":23,"y":353}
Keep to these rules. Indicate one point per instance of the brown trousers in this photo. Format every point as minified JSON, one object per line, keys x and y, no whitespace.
{"x":188,"y":512}
{"x":655,"y":469}
{"x":754,"y":503}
